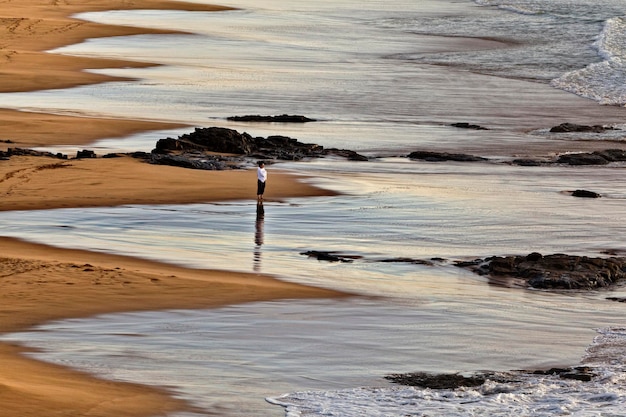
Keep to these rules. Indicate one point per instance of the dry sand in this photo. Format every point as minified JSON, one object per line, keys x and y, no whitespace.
{"x":40,"y":283}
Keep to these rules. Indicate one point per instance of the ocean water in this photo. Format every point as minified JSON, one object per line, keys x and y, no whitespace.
{"x":383,"y":79}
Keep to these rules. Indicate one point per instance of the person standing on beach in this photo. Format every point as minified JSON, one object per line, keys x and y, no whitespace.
{"x":261,"y":174}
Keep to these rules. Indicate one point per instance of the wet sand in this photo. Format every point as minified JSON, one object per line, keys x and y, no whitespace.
{"x":40,"y":283}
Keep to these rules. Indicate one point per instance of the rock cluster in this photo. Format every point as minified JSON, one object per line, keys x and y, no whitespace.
{"x":29,"y":152}
{"x":558,"y":271}
{"x":230,"y":145}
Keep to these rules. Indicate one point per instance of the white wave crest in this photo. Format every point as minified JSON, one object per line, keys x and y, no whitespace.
{"x":604,"y":82}
{"x":611,"y":43}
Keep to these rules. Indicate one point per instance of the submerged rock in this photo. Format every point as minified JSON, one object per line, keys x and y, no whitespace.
{"x":573,"y":127}
{"x":431,"y":156}
{"x":464,"y":125}
{"x":329,"y":256}
{"x":593,"y":158}
{"x":582,"y":159}
{"x":283,"y":118}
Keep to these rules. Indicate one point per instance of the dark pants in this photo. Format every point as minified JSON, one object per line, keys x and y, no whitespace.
{"x":260,"y":187}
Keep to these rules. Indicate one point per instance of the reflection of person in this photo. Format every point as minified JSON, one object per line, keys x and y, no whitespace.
{"x":258,"y":236}
{"x":261,"y":175}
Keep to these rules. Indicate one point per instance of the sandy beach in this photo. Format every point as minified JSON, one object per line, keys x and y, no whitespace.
{"x":41,"y":283}
{"x":385,"y":94}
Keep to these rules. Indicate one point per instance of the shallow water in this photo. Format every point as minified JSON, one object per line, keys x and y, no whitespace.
{"x":431,"y":318}
{"x":384,"y":80}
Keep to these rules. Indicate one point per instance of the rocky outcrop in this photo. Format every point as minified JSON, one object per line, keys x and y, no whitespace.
{"x":283,"y":118}
{"x":558,"y":271}
{"x":211,"y":141}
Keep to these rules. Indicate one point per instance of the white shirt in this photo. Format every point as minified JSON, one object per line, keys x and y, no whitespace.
{"x":261,"y":174}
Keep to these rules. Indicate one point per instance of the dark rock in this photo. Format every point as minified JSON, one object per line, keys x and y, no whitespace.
{"x":206,"y":163}
{"x":140,"y":155}
{"x":284,"y":118}
{"x":579,"y":373}
{"x":85,"y":154}
{"x":558,"y":271}
{"x":329,"y":256}
{"x":573,"y":127}
{"x":618,"y":299}
{"x":7,"y":141}
{"x":344,"y":153}
{"x":585,"y":194}
{"x":582,"y":159}
{"x":525,"y":162}
{"x":407,"y":261}
{"x":30,"y":152}
{"x":612,"y":155}
{"x":453,"y":381}
{"x":445,"y":156}
{"x":212,"y":139}
{"x":437,"y":381}
{"x":464,"y":125}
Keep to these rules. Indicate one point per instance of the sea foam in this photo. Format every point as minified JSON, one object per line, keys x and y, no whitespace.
{"x":523,"y":394}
